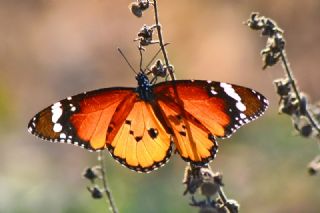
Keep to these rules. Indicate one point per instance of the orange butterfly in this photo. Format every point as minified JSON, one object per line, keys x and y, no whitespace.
{"x":140,"y":125}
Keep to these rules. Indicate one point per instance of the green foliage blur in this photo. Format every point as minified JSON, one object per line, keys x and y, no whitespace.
{"x":53,"y":49}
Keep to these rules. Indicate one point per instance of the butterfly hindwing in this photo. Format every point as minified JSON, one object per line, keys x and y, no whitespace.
{"x":141,"y":143}
{"x":81,"y":119}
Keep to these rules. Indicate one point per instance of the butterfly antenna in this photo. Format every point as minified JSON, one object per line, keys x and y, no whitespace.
{"x":120,"y":51}
{"x":154,"y":57}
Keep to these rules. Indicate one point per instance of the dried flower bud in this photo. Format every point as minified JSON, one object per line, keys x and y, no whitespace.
{"x":209,"y":188}
{"x":255,"y":22}
{"x":314,"y":166}
{"x":303,"y":126}
{"x":96,"y":193}
{"x":138,"y":7}
{"x":158,"y":69}
{"x":135,"y":9}
{"x":269,"y":28}
{"x":145,"y":35}
{"x":279,"y":42}
{"x":269,"y":58}
{"x":303,"y":104}
{"x":289,"y":105}
{"x":192,"y":179}
{"x":91,"y":173}
{"x":283,"y":86}
{"x":144,"y":4}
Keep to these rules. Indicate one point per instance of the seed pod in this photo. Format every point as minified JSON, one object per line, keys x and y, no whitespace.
{"x":135,"y":9}
{"x":96,"y":193}
{"x":283,"y":87}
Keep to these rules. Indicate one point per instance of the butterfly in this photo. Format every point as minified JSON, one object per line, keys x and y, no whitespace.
{"x":140,"y":125}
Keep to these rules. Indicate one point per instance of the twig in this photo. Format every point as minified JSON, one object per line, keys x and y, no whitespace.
{"x":161,"y":43}
{"x":305,"y":116}
{"x":295,"y":89}
{"x":107,"y":191}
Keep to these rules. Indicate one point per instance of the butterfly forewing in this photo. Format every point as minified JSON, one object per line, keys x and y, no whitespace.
{"x":81,"y":119}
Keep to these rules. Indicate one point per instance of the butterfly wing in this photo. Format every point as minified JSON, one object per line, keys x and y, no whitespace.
{"x":198,"y":111}
{"x":114,"y":118}
{"x":81,"y":119}
{"x":141,"y":143}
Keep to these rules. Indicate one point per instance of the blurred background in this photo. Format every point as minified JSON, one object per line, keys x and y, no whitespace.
{"x":51,"y":49}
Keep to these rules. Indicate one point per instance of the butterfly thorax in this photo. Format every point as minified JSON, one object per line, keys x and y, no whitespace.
{"x":144,"y":88}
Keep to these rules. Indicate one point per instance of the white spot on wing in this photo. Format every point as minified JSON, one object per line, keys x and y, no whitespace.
{"x":57,"y":127}
{"x":212,"y":91}
{"x":232,"y":93}
{"x":56,"y":112}
{"x":241,"y":106}
{"x":242,"y":116}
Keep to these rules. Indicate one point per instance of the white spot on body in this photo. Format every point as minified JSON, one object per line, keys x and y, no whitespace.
{"x":232,"y":93}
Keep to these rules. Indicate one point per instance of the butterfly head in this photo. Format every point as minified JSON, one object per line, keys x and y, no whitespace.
{"x":144,"y":88}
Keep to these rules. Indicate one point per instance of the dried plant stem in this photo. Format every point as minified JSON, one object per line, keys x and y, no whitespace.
{"x":296,"y":91}
{"x":222,"y":195}
{"x":224,"y":199}
{"x":163,"y":49}
{"x":107,"y":191}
